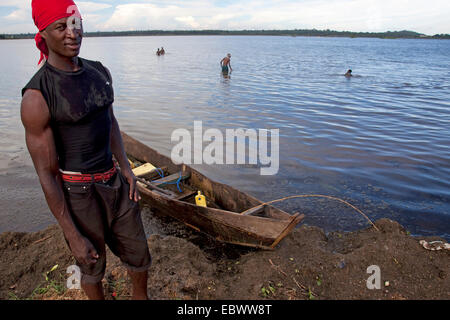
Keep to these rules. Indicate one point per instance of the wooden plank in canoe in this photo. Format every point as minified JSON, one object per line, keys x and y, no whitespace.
{"x":186,"y":195}
{"x":254,"y":210}
{"x":155,"y":188}
{"x":143,"y":170}
{"x":155,"y":174}
{"x":172,"y":178}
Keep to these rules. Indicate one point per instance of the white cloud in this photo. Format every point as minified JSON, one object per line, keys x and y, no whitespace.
{"x":16,"y":3}
{"x":189,"y":21}
{"x":19,"y":15}
{"x":428,"y":17}
{"x":352,"y":15}
{"x":88,"y":7}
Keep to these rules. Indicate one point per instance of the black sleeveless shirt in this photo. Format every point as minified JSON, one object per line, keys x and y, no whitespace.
{"x":80,"y":118}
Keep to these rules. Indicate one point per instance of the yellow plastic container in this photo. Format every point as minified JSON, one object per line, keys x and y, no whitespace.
{"x":200,"y":200}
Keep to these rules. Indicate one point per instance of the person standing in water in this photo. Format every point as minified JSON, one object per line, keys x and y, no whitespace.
{"x":225,"y":63}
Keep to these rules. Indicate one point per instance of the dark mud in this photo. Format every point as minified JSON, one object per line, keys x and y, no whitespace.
{"x":307,"y":264}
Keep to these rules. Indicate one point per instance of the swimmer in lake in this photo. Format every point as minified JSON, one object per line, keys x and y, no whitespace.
{"x":348,"y":74}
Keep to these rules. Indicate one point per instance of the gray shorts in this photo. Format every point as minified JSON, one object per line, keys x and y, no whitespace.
{"x":104,"y":214}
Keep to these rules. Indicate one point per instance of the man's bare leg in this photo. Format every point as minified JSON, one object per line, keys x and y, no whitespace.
{"x":94,"y":291}
{"x":139,"y":282}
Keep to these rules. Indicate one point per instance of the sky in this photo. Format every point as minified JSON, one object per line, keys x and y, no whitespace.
{"x":424,"y":16}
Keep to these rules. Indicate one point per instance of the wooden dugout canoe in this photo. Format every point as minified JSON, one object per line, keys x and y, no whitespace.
{"x":230,"y":216}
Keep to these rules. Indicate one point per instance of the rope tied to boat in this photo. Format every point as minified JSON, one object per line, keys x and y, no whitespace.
{"x":177,"y":182}
{"x":160,"y":172}
{"x":319,"y":196}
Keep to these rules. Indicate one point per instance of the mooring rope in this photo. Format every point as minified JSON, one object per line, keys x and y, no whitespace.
{"x":318,"y":196}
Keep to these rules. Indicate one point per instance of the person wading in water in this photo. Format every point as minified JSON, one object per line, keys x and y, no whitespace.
{"x":225,"y":63}
{"x":72,"y":135}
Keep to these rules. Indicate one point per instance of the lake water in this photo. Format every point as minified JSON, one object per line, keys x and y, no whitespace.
{"x":380,"y":140}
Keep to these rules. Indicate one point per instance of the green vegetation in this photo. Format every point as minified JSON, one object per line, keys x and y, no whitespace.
{"x":54,"y":284}
{"x":319,"y":280}
{"x":311,"y":295}
{"x":269,"y":291}
{"x":294,"y":33}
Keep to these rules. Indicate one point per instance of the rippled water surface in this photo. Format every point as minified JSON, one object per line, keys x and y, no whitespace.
{"x":380,"y":140}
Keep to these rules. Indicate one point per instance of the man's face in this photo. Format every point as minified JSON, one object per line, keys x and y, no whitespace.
{"x":64,"y":36}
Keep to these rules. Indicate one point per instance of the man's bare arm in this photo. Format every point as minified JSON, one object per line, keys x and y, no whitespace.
{"x":40,"y":143}
{"x":119,"y":153}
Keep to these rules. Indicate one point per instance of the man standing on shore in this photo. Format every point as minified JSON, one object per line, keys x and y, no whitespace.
{"x":72,"y":134}
{"x":225,"y":63}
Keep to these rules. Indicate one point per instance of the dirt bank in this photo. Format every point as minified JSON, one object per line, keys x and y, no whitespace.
{"x":307,"y":264}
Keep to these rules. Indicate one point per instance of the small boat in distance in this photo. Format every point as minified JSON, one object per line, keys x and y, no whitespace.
{"x":230,"y":215}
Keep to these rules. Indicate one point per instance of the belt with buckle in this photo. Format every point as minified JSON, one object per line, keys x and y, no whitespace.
{"x":87,"y":177}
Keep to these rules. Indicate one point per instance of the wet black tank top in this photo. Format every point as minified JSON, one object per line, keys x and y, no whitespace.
{"x":80,"y":118}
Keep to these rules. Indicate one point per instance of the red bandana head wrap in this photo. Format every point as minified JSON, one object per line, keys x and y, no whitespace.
{"x":45,"y":12}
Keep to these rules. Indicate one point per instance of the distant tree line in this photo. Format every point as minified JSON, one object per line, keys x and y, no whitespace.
{"x":294,"y":33}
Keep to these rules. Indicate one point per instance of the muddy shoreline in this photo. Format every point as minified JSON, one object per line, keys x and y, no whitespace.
{"x":308,"y":264}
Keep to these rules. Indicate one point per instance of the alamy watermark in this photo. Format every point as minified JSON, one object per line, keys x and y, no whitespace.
{"x":236,"y":146}
{"x":73,"y":21}
{"x":374,"y":281}
{"x":74,"y":280}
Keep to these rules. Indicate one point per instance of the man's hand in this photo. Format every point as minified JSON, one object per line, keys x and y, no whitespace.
{"x":83,"y":250}
{"x":131,"y":179}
